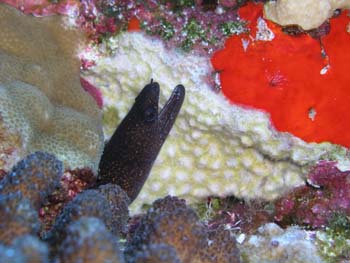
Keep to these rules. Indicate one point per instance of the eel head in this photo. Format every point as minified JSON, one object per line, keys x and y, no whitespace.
{"x":129,"y":155}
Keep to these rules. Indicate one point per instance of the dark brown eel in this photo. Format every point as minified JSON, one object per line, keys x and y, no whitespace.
{"x":129,"y":155}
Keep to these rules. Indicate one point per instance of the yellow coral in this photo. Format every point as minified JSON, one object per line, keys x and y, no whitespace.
{"x":41,"y":96}
{"x":308,"y":14}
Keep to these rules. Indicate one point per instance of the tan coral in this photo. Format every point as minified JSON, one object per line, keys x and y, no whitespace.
{"x":308,"y":14}
{"x":41,"y":96}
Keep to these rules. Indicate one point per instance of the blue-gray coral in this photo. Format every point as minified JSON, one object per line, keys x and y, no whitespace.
{"x":89,"y":241}
{"x":35,"y":177}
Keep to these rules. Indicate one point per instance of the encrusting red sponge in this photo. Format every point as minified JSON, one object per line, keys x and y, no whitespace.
{"x":306,"y":91}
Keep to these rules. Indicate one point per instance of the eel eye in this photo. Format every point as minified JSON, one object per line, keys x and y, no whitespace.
{"x":150,"y":114}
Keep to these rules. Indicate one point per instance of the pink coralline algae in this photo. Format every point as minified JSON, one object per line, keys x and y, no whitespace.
{"x":313,"y":205}
{"x":93,"y":91}
{"x":45,"y":7}
{"x":189,"y":25}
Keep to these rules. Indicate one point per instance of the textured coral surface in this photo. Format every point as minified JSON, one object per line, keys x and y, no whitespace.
{"x":314,"y":206}
{"x":274,"y":244}
{"x":306,"y":13}
{"x":214,"y":148}
{"x":169,"y":221}
{"x":304,"y":90}
{"x":40,"y":94}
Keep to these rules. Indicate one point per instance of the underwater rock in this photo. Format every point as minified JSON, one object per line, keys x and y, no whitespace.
{"x":88,"y":240}
{"x":308,"y":14}
{"x":215,"y":148}
{"x":272,"y":244}
{"x":41,"y":98}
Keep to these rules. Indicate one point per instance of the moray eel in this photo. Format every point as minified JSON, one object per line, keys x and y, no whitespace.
{"x":128,"y":157}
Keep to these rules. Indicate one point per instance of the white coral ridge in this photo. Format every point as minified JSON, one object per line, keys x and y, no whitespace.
{"x":214,"y":148}
{"x":308,"y":14}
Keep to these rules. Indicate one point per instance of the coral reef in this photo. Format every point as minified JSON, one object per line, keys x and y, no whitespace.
{"x":235,"y":214}
{"x":34,"y":178}
{"x":215,"y":148}
{"x":41,"y":98}
{"x":46,"y":7}
{"x":334,"y":242}
{"x":88,"y":240}
{"x":72,"y":183}
{"x":22,"y":192}
{"x":17,"y":218}
{"x":297,"y":97}
{"x":10,"y":143}
{"x":157,"y":253}
{"x":188,"y":25}
{"x":170,"y":222}
{"x":313,"y":205}
{"x":25,"y":249}
{"x":102,"y":204}
{"x":273,"y":244}
{"x":307,"y":14}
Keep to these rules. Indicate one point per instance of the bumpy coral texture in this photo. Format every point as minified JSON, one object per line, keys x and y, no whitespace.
{"x":35,"y":178}
{"x":107,"y":203}
{"x":10,"y":143}
{"x":40,"y":93}
{"x":23,"y":190}
{"x":274,"y":244}
{"x":25,"y":249}
{"x":171,"y":222}
{"x":17,"y":218}
{"x":214,"y":148}
{"x":314,"y":206}
{"x":308,"y":14}
{"x":157,"y":253}
{"x":88,"y":240}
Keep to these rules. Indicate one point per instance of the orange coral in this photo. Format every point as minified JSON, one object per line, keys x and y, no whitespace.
{"x":289,"y":78}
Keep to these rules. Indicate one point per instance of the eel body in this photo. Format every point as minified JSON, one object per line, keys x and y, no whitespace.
{"x":129,"y":155}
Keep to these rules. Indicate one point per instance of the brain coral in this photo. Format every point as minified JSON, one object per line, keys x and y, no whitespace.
{"x":214,"y":148}
{"x":41,"y":98}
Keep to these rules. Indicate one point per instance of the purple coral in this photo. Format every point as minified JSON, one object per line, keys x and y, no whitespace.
{"x":313,"y":205}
